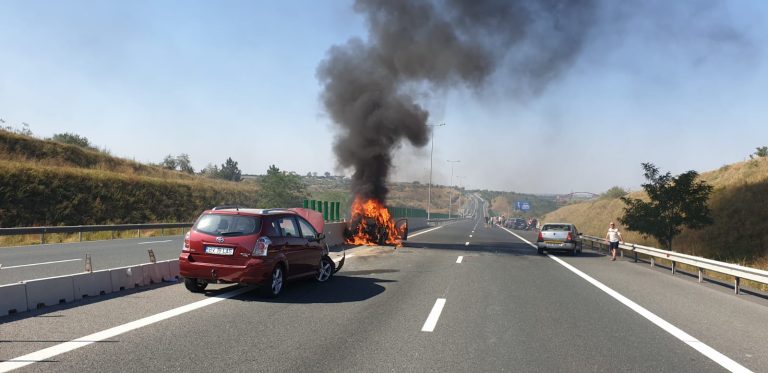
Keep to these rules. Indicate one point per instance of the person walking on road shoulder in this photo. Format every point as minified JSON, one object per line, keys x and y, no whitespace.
{"x":614,"y":238}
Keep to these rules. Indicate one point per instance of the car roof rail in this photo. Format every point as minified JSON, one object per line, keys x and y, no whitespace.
{"x":222,"y":207}
{"x":278,"y":209}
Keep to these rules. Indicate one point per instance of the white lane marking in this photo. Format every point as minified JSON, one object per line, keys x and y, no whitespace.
{"x":678,"y":333}
{"x":434,"y":315}
{"x":47,"y":353}
{"x":459,"y":259}
{"x":426,"y":231}
{"x":144,"y":243}
{"x":466,"y":243}
{"x":39,"y":264}
{"x":470,"y":236}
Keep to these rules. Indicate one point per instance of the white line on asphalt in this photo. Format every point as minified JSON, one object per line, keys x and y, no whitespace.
{"x":47,"y":353}
{"x":39,"y":264}
{"x":466,"y":243}
{"x":459,"y":259}
{"x":434,"y":315}
{"x":144,"y":243}
{"x":678,"y":333}
{"x":470,"y":236}
{"x":426,"y":231}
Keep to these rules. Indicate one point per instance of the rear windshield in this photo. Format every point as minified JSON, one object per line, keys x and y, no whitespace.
{"x":228,"y":225}
{"x":556,"y":227}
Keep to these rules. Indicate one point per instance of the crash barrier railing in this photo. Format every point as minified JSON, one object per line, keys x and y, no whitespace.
{"x":329,"y":209}
{"x":43,"y":292}
{"x":737,"y":271}
{"x":42,"y":231}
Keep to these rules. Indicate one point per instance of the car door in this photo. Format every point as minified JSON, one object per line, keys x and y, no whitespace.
{"x":314,"y":249}
{"x":294,"y":248}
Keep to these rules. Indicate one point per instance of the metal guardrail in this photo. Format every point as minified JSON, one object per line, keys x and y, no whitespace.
{"x":737,"y":271}
{"x":42,"y":231}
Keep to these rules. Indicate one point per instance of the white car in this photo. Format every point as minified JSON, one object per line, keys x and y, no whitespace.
{"x":559,"y":236}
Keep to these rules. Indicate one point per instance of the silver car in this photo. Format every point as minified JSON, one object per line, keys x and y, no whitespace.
{"x":559,"y":236}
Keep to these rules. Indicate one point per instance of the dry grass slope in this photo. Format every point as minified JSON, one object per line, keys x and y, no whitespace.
{"x":739,"y":207}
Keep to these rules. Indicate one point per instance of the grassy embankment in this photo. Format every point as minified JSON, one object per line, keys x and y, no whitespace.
{"x":739,"y":209}
{"x":45,"y":183}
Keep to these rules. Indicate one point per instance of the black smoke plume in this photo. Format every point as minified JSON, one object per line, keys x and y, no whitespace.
{"x":369,"y":84}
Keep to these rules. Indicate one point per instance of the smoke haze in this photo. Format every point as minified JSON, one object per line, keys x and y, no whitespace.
{"x":368,"y":85}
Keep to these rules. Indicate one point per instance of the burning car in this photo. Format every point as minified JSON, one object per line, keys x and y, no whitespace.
{"x":372,"y":224}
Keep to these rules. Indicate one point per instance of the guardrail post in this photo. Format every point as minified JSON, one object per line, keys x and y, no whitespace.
{"x":674,"y":267}
{"x":80,"y":236}
{"x":653,"y":262}
{"x":88,"y":264}
{"x":737,"y":285}
{"x":138,"y":233}
{"x":701,"y":275}
{"x":42,"y":237}
{"x":633,"y":250}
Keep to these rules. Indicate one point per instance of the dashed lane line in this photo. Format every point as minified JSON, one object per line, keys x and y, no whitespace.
{"x":459,"y":259}
{"x":39,"y":264}
{"x":434,"y":315}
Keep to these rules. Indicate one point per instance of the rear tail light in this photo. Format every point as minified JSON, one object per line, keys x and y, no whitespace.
{"x":261,"y":247}
{"x":541,"y":237}
{"x":186,"y":242}
{"x":570,"y":237}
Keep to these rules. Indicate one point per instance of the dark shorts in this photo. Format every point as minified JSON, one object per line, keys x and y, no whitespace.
{"x":613,"y":245}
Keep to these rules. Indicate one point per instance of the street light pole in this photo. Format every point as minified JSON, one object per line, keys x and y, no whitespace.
{"x":431,"y":151}
{"x":450,"y":198}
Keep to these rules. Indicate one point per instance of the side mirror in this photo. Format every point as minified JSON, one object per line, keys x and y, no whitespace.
{"x":320,"y":237}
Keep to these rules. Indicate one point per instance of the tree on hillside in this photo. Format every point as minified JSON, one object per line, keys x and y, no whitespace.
{"x":281,"y":189}
{"x":675,"y":202}
{"x":760,"y":152}
{"x":613,"y":193}
{"x":72,"y":139}
{"x":230,"y":171}
{"x":180,"y":162}
{"x":210,"y":171}
{"x":184,"y":163}
{"x":169,"y":162}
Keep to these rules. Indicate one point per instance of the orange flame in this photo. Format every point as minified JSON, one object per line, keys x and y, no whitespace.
{"x":370,"y":220}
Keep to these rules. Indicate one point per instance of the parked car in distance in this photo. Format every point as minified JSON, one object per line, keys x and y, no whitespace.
{"x":559,"y":236}
{"x":264,"y":247}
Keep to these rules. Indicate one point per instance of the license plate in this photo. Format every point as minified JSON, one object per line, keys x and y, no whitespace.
{"x":219,"y":250}
{"x":553,"y":242}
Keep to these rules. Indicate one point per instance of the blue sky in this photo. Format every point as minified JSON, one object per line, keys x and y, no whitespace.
{"x":681,"y":86}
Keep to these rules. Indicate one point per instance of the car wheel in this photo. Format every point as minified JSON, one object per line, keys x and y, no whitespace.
{"x":195,"y":285}
{"x":325,"y":271}
{"x":275,"y":286}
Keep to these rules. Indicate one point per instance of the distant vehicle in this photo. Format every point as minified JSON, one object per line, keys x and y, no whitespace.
{"x":519,"y":223}
{"x":230,"y":244}
{"x":559,"y":236}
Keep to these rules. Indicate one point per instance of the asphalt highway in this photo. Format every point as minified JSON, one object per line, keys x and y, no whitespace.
{"x":460,"y":298}
{"x":39,"y":261}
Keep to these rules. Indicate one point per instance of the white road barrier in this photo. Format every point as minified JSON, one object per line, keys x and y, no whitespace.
{"x":92,"y":284}
{"x":49,"y":291}
{"x":13,"y":299}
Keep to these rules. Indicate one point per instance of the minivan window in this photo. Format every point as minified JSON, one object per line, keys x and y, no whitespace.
{"x":307,"y":230}
{"x":227,"y":225}
{"x":556,"y":227}
{"x":288,"y":226}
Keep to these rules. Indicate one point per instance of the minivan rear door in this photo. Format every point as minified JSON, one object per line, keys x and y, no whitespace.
{"x":224,"y":238}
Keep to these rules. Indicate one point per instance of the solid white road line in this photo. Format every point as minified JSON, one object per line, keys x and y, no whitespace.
{"x":39,"y":264}
{"x":459,"y":259}
{"x":434,"y":315}
{"x":466,"y":243}
{"x":144,"y":243}
{"x":426,"y":231}
{"x":48,"y":353}
{"x":678,"y":333}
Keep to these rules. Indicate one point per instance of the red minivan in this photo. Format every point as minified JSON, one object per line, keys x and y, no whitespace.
{"x":264,"y":247}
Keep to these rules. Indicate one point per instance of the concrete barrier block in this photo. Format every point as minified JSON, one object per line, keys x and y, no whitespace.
{"x":165,"y":270}
{"x":152,"y":273}
{"x":334,"y":233}
{"x":173,"y":267}
{"x":92,"y":284}
{"x":13,"y":299}
{"x":49,"y":291}
{"x":126,"y":277}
